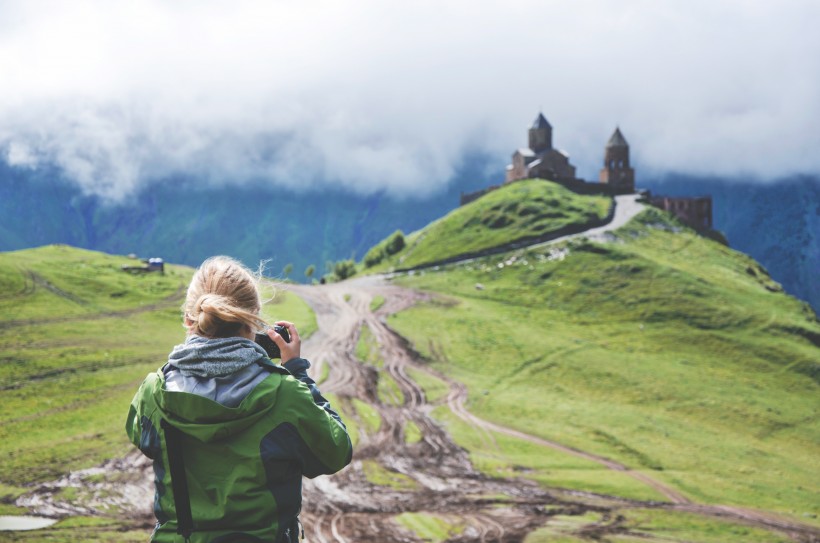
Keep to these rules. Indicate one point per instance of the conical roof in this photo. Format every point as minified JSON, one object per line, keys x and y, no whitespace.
{"x":617,"y":139}
{"x":541,"y":122}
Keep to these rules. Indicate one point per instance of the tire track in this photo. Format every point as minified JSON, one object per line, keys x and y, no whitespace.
{"x":447,"y":482}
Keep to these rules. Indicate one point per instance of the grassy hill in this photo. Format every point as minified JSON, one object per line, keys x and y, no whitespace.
{"x":77,"y":336}
{"x":663,"y":350}
{"x":526,"y":210}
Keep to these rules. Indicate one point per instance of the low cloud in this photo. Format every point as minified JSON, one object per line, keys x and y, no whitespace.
{"x":372,"y":95}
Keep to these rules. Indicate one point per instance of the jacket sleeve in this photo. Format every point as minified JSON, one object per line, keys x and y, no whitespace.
{"x":138,"y":426}
{"x":319,"y":426}
{"x":298,"y":368}
{"x":133,"y":423}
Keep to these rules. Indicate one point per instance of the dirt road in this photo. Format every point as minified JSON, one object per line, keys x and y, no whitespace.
{"x":347,"y":507}
{"x":438,"y":476}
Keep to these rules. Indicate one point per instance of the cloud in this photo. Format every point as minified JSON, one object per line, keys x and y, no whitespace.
{"x":372,"y":95}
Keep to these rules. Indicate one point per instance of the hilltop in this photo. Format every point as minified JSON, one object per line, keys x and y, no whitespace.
{"x":521,"y":213}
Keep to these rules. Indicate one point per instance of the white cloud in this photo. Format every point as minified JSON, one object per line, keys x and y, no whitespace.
{"x":369,"y":94}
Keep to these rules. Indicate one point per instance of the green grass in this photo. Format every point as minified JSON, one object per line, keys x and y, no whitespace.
{"x":368,"y":418}
{"x":379,"y":475}
{"x":82,"y":530}
{"x":77,"y":336}
{"x":525,"y":209}
{"x":435,"y":390}
{"x":502,"y":456}
{"x":651,"y":526}
{"x":376,"y":303}
{"x":431,"y":527}
{"x":369,"y":352}
{"x":412,"y":433}
{"x":75,"y":342}
{"x":681,"y":526}
{"x":665,"y":351}
{"x":367,"y":348}
{"x":284,"y":305}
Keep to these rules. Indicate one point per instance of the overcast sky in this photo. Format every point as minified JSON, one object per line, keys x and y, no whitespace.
{"x":377,"y":94}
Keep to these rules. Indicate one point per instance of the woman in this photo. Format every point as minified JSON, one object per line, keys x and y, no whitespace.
{"x":231,"y":433}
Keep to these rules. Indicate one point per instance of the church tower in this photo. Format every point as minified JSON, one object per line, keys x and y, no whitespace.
{"x":540,"y":134}
{"x":616,"y":171}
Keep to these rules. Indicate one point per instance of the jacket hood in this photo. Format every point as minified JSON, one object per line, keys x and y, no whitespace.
{"x":207,"y":420}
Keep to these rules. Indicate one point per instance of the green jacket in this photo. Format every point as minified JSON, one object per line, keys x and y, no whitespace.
{"x":243,"y":465}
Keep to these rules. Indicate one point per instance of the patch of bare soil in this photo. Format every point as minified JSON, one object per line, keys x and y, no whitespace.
{"x":347,"y":507}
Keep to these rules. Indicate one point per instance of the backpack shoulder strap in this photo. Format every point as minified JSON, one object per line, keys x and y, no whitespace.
{"x":179,"y":483}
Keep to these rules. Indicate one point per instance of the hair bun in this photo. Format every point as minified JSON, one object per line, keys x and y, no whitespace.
{"x":209,"y":303}
{"x":222,"y":298}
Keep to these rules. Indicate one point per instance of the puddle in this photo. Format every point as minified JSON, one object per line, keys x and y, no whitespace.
{"x":24,"y":523}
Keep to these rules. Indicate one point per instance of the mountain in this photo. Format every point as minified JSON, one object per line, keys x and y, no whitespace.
{"x":185,"y":221}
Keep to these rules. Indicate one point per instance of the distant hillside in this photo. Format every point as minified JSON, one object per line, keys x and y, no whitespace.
{"x":184,"y":221}
{"x":77,"y":336}
{"x":661,"y":349}
{"x":524,"y":211}
{"x":776,"y":223}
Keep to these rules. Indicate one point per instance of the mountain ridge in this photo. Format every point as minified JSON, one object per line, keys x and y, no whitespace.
{"x":184,"y":222}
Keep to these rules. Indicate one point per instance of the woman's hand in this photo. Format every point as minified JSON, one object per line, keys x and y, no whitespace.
{"x":289,"y":350}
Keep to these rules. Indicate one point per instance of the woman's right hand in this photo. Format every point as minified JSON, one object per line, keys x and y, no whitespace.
{"x":289,"y":350}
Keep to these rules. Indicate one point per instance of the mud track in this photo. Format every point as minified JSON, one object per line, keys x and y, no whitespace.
{"x":346,"y":507}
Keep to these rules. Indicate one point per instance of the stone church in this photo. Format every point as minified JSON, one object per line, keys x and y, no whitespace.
{"x":540,"y":159}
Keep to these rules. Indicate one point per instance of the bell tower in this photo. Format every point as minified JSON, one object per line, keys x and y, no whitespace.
{"x":616,"y":171}
{"x":540,"y":134}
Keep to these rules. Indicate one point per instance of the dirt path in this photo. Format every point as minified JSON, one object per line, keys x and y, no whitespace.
{"x":346,"y":507}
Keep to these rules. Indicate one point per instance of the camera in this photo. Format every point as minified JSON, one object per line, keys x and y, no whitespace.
{"x":267,"y":343}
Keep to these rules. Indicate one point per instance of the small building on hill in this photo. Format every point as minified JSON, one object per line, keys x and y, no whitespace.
{"x":540,"y":159}
{"x":617,"y":173}
{"x":694,"y":212}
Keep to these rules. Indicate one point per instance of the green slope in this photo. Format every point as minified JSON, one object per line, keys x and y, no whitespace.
{"x":77,"y":336}
{"x":663,"y":350}
{"x":519,"y":211}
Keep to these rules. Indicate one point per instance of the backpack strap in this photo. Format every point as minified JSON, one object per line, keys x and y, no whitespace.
{"x":179,"y":483}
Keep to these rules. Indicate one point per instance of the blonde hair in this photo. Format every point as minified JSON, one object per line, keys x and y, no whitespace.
{"x":223,"y":297}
